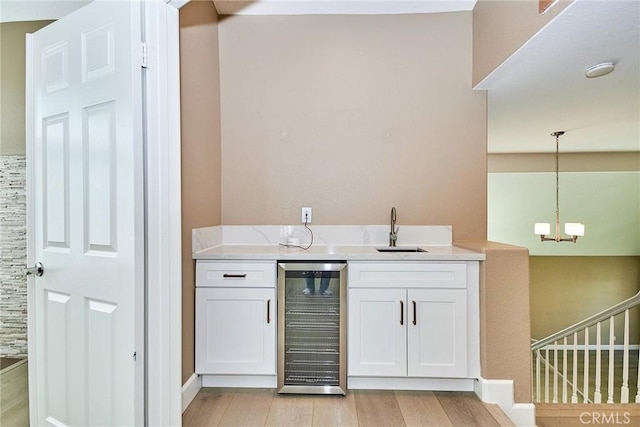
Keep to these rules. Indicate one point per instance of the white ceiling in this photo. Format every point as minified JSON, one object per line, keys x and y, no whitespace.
{"x":542,"y":87}
{"x":538,"y":90}
{"x":329,"y":7}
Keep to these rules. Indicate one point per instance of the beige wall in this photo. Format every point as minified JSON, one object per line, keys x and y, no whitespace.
{"x":12,"y":84}
{"x":565,"y":290}
{"x":505,"y":339}
{"x":352,"y":115}
{"x":500,"y":27}
{"x":200,"y":116}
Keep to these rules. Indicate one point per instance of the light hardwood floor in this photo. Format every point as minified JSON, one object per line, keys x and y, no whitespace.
{"x":14,"y":395}
{"x":265,"y":407}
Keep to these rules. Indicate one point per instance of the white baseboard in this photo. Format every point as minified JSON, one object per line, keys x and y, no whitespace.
{"x":190,"y":389}
{"x":241,"y":381}
{"x":500,"y":392}
{"x":395,"y":383}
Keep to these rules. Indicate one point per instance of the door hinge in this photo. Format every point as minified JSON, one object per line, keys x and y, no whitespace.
{"x":144,"y":55}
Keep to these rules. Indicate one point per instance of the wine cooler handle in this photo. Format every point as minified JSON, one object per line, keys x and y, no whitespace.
{"x":401,"y":312}
{"x":268,"y":311}
{"x":414,"y":312}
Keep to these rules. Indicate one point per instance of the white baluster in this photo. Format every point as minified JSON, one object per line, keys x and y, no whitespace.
{"x":597,"y":394}
{"x":564,"y":370}
{"x":555,"y":372}
{"x":538,"y":385}
{"x":624,"y":390}
{"x":546,"y":374}
{"x":574,"y":395}
{"x":586,"y":366}
{"x":611,"y":360}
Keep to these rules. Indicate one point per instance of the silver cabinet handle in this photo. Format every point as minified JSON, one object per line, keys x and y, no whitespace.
{"x":401,"y":312}
{"x":37,"y":270}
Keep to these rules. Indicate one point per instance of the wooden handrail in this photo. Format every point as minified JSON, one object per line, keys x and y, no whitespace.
{"x":589,"y":321}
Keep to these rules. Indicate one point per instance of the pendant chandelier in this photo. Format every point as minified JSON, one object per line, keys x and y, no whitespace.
{"x":571,"y":229}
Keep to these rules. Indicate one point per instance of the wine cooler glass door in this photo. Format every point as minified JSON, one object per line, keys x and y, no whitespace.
{"x":311,"y":327}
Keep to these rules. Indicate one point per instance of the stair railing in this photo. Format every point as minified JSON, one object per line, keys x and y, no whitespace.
{"x":559,"y":342}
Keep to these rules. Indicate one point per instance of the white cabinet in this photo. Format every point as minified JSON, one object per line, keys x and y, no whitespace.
{"x":235,"y":318}
{"x":377,"y":338}
{"x":408,"y":320}
{"x":437,"y":333}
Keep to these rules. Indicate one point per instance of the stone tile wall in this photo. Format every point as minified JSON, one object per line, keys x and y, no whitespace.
{"x":13,"y":256}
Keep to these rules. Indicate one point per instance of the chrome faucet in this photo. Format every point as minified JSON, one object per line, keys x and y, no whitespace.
{"x":393,"y":235}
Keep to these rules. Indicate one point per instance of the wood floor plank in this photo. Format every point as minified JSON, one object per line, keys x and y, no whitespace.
{"x":290,"y":410}
{"x":422,"y":408}
{"x":207,"y":408}
{"x":335,"y":411}
{"x":248,"y":407}
{"x":465,"y":411}
{"x":378,"y":408}
{"x":499,"y":415}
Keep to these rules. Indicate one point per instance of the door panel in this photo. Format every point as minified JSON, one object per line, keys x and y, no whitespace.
{"x":438,"y":339}
{"x":56,"y":354}
{"x":55,"y":181}
{"x":377,"y":339}
{"x":87,"y":193}
{"x":234,"y":332}
{"x":100,"y":177}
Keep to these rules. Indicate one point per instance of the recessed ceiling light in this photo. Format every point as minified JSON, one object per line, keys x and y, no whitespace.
{"x":599,"y":70}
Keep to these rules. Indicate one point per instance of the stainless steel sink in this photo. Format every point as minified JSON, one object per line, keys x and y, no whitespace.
{"x":401,"y":249}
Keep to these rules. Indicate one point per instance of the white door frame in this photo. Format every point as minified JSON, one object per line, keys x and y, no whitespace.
{"x":163,"y":218}
{"x":163,"y":335}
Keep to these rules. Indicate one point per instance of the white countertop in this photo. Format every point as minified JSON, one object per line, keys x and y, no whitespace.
{"x":328,"y":252}
{"x":347,"y":243}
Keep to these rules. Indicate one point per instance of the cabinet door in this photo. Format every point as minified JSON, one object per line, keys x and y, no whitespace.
{"x":235,"y":331}
{"x":437,"y":333}
{"x":377,"y":336}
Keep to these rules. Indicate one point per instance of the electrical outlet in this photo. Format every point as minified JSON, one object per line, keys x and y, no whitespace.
{"x":305,"y":215}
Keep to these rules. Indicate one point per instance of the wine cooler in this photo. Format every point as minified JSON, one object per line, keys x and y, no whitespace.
{"x":312,"y":327}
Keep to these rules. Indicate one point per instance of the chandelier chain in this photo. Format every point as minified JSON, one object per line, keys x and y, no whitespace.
{"x":557,"y":178}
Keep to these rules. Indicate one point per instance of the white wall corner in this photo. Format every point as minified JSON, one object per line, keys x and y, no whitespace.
{"x":190,"y":389}
{"x":500,"y":392}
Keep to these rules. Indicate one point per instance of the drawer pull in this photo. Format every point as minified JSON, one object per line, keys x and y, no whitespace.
{"x":414,"y":312}
{"x":268,"y":311}
{"x":402,"y":312}
{"x":234,"y":276}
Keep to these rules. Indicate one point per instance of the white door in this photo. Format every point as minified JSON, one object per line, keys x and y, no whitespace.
{"x":377,"y":338}
{"x":437,"y":343}
{"x":85,"y":177}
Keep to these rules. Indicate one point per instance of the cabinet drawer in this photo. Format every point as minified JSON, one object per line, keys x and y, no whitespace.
{"x":232,"y":274}
{"x":407,"y":275}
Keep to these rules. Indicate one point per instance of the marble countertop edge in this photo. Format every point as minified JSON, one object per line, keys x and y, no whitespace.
{"x":334,"y":252}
